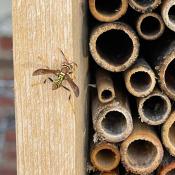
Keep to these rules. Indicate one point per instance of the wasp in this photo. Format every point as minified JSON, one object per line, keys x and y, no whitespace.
{"x":60,"y":76}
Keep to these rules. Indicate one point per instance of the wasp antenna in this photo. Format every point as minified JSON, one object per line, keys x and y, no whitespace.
{"x":63,"y":55}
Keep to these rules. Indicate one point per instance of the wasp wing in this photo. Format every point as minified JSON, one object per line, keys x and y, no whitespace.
{"x":74,"y":87}
{"x":45,"y":71}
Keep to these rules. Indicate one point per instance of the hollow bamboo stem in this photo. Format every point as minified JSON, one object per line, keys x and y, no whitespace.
{"x":112,"y":121}
{"x":105,"y":156}
{"x":150,"y":26}
{"x":140,"y":79}
{"x":168,"y":134}
{"x":168,"y":13}
{"x":108,"y":11}
{"x":141,"y":152}
{"x":165,"y":67}
{"x":105,"y":86}
{"x":155,"y":108}
{"x":144,"y":6}
{"x":114,"y":46}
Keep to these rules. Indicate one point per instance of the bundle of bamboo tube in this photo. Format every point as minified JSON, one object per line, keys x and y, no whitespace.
{"x":132,"y":45}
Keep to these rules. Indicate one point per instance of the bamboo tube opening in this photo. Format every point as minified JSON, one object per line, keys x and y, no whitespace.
{"x":108,"y":7}
{"x":114,"y":122}
{"x":114,"y":46}
{"x":171,"y":14}
{"x":144,"y":6}
{"x":169,"y":76}
{"x":168,"y":14}
{"x":141,"y":153}
{"x":105,"y":156}
{"x":155,"y":108}
{"x":106,"y":94}
{"x":108,"y":11}
{"x":140,"y":81}
{"x":150,"y":26}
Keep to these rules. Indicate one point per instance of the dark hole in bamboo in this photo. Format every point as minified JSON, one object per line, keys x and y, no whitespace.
{"x":171,"y":14}
{"x":115,"y":46}
{"x":107,"y":6}
{"x":106,"y":94}
{"x":170,"y":76}
{"x":140,"y":81}
{"x":141,"y":153}
{"x":144,"y":2}
{"x":172,"y":172}
{"x":105,"y":158}
{"x":172,"y":134}
{"x":114,"y":122}
{"x":155,"y":108}
{"x":150,"y":25}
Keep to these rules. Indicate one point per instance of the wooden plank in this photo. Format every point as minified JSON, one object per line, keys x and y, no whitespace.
{"x":50,"y":129}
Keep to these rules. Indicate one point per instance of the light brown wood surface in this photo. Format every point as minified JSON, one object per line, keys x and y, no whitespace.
{"x":50,"y":129}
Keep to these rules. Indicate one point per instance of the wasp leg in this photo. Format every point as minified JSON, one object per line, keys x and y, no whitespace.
{"x":48,"y":79}
{"x":67,"y":90}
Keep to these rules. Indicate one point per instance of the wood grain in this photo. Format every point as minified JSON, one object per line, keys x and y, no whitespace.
{"x":50,"y":129}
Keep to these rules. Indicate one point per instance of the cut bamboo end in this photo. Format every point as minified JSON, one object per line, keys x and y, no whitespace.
{"x":155,"y":108}
{"x":114,"y":46}
{"x":168,"y":134}
{"x":112,"y":121}
{"x":108,"y":11}
{"x":168,"y":169}
{"x":105,"y":156}
{"x":141,"y":152}
{"x":150,"y":26}
{"x":168,"y":14}
{"x":144,"y":6}
{"x":140,"y":79}
{"x":105,"y":86}
{"x":166,"y":71}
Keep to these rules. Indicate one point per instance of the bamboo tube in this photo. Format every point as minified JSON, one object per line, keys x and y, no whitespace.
{"x":105,"y":156}
{"x":168,"y":13}
{"x":141,"y":152}
{"x":112,"y":121}
{"x":140,"y":79}
{"x":114,"y":46}
{"x":108,"y":11}
{"x":167,"y":166}
{"x":155,"y":108}
{"x":105,"y":86}
{"x":165,"y":67}
{"x":168,"y":134}
{"x":144,"y":6}
{"x":150,"y":26}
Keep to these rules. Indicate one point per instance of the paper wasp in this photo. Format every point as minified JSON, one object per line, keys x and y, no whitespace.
{"x":61,"y":75}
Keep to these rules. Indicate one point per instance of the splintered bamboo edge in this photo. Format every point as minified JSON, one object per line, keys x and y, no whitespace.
{"x":166,"y":170}
{"x":105,"y":156}
{"x":168,"y":130}
{"x":111,"y":15}
{"x":153,"y":35}
{"x":142,"y":138}
{"x":155,"y":101}
{"x":104,"y":61}
{"x":145,"y":7}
